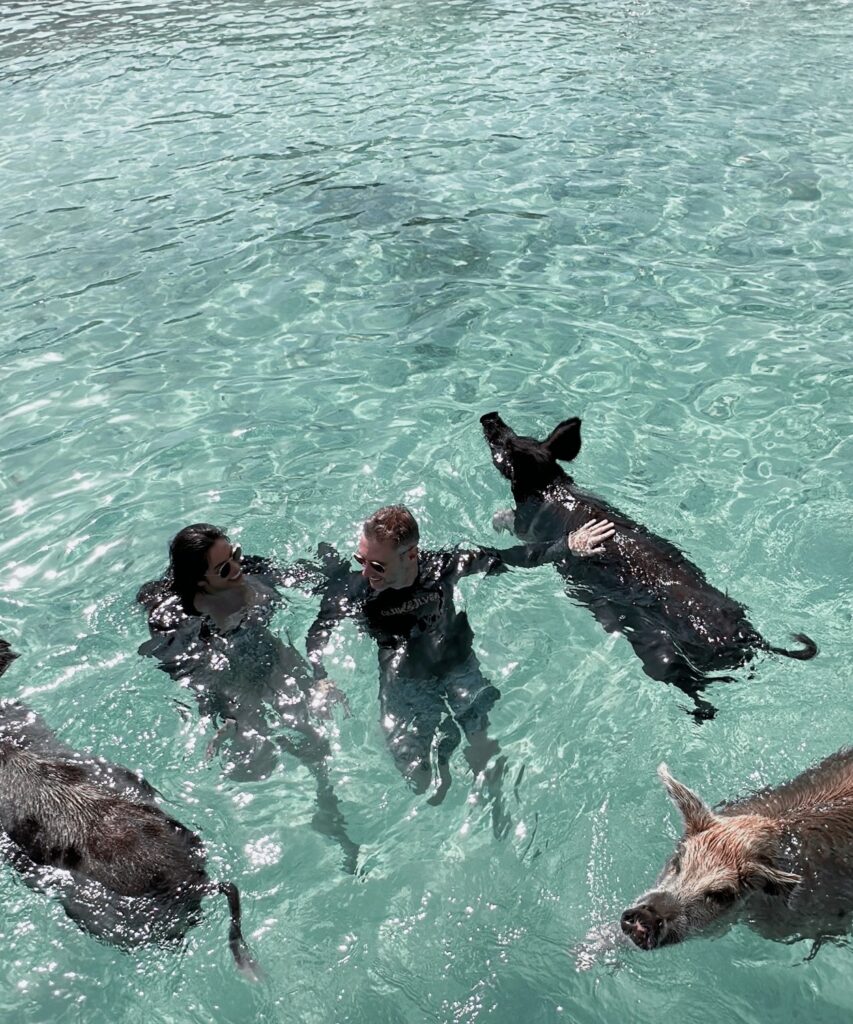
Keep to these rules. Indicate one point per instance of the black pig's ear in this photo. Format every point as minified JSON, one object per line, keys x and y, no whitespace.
{"x":564,"y":441}
{"x":7,"y":655}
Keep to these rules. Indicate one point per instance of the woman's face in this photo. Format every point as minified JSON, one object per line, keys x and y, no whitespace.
{"x":223,"y":566}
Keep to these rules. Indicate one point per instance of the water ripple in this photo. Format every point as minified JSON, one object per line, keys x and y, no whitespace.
{"x":266,"y":263}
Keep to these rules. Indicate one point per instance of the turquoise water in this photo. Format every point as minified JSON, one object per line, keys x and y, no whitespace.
{"x":266,"y":264}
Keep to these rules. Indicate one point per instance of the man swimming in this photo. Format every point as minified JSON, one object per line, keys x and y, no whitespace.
{"x":430,"y":679}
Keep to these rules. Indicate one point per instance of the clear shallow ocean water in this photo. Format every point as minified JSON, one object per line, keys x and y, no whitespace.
{"x":266,"y":264}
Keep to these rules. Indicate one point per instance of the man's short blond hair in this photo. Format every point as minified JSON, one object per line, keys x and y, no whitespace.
{"x":393,"y":523}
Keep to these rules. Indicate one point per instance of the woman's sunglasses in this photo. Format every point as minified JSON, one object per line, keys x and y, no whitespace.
{"x":375,"y":566}
{"x":224,"y":570}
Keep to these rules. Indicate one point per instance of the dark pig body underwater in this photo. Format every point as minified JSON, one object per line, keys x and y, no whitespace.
{"x":90,"y":833}
{"x":680,"y":626}
{"x":782,"y":860}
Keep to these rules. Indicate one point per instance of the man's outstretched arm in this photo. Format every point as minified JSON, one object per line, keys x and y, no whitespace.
{"x":587,"y":540}
{"x":335,"y":606}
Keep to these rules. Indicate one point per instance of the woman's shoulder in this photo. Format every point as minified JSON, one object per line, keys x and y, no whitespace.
{"x":168,"y":614}
{"x":153,"y":593}
{"x":165,"y":608}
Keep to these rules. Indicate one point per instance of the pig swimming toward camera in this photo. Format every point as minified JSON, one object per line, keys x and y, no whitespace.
{"x":642,"y":586}
{"x":781,"y":860}
{"x":90,"y":833}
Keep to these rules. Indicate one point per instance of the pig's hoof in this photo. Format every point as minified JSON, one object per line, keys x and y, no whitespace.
{"x":701,"y":713}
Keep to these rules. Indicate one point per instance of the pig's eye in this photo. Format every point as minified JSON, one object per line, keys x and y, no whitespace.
{"x":722,"y":897}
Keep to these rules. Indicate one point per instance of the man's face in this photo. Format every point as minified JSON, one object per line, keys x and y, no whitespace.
{"x":383,"y":565}
{"x":223,"y":566}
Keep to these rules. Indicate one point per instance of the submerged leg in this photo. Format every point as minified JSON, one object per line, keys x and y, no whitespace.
{"x":664,"y":662}
{"x":328,"y":819}
{"x":691,"y":683}
{"x":480,"y":750}
{"x":473,"y":716}
{"x":472,"y":697}
{"x":313,"y":751}
{"x":411,"y":711}
{"x":655,"y":648}
{"x":450,"y":738}
{"x":702,"y":710}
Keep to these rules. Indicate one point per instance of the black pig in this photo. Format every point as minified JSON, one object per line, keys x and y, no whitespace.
{"x":680,"y":626}
{"x":91,"y":833}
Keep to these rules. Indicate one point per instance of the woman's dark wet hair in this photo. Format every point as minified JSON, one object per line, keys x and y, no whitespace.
{"x":188,"y":560}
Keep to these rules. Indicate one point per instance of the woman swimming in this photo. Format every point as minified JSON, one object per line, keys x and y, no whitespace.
{"x":209,"y":619}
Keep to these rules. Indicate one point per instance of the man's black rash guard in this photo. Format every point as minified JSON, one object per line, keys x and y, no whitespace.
{"x":417,"y":628}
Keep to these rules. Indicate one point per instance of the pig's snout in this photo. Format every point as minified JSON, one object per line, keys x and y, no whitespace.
{"x":642,"y":924}
{"x":494,"y":428}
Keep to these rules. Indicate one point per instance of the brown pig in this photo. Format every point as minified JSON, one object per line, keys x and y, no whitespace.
{"x":781,"y":860}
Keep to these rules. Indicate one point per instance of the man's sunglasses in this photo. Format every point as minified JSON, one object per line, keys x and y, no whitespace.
{"x":375,"y":566}
{"x":224,"y":570}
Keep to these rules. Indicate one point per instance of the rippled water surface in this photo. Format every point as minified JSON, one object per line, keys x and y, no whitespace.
{"x":266,"y":264}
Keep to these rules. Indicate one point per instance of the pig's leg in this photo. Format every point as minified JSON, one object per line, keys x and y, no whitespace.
{"x":664,"y":662}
